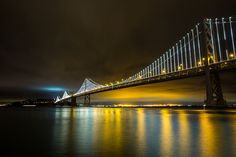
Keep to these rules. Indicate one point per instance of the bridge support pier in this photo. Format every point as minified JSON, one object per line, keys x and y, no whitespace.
{"x":73,"y":101}
{"x":87,"y":100}
{"x":214,"y":94}
{"x":63,"y":103}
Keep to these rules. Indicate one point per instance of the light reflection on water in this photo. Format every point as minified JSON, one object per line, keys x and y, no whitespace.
{"x":115,"y":132}
{"x":144,"y":132}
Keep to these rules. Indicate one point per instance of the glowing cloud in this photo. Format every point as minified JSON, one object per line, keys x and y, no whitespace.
{"x":53,"y":89}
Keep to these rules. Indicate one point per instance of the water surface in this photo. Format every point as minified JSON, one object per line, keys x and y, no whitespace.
{"x":111,"y":132}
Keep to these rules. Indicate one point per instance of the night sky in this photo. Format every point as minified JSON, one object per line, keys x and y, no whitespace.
{"x":56,"y":43}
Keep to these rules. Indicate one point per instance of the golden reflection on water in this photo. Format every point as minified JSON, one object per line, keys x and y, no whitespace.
{"x":141,"y":140}
{"x":143,"y":132}
{"x":208,"y":132}
{"x":234,"y":136}
{"x":184,"y":134}
{"x":166,"y":133}
{"x":112,"y":131}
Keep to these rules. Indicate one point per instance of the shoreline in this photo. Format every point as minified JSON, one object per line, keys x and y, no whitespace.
{"x":144,"y":107}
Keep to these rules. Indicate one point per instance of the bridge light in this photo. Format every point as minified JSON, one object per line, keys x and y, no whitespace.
{"x":199,"y":63}
{"x":163,"y":71}
{"x":210,"y":59}
{"x":231,"y":55}
{"x":203,"y":59}
{"x":180,"y":67}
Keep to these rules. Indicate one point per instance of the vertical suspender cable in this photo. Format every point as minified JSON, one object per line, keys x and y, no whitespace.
{"x":212,"y":41}
{"x":232,"y":34}
{"x":194,"y":49}
{"x":177,"y":54}
{"x":174,"y":58}
{"x":218,"y":38}
{"x":189,"y":48}
{"x":167,"y":62}
{"x":181,"y":54}
{"x":198,"y":43}
{"x":170,"y":61}
{"x":185,"y":51}
{"x":161,"y":63}
{"x":225,"y":39}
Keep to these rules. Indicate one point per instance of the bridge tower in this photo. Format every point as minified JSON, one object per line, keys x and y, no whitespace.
{"x":214,"y":94}
{"x":87,"y":100}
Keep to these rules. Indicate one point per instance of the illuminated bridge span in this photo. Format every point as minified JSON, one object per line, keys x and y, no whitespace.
{"x":206,"y":49}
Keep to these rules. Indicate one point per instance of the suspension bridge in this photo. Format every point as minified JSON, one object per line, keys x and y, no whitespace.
{"x":207,"y":49}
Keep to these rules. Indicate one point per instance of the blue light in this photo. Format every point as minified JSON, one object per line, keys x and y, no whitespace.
{"x":53,"y":89}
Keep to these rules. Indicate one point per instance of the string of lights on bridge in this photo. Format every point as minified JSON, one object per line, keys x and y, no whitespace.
{"x":187,"y":54}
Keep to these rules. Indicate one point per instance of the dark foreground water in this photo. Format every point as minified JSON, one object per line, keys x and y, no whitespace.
{"x":111,"y":132}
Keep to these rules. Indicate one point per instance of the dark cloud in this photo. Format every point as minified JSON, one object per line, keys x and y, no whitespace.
{"x":59,"y":43}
